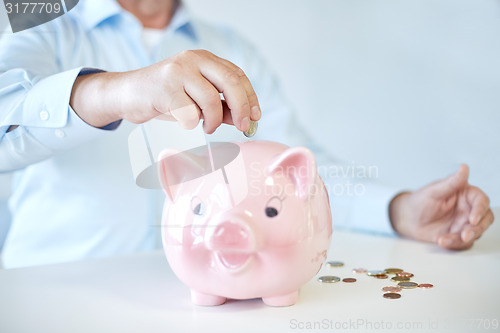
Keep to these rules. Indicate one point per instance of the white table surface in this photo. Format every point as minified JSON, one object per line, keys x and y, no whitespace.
{"x":139,"y":293}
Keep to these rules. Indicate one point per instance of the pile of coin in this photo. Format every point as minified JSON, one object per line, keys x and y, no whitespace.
{"x":401,"y":277}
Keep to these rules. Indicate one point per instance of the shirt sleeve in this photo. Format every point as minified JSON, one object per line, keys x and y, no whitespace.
{"x":358,"y":201}
{"x":34,"y":95}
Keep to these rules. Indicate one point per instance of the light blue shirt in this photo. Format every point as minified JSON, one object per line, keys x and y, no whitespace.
{"x":74,"y":193}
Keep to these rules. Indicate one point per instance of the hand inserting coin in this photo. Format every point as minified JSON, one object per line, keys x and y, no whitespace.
{"x":390,"y":292}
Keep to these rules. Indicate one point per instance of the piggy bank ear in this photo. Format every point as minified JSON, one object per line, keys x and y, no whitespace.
{"x":299,"y":165}
{"x":176,"y":167}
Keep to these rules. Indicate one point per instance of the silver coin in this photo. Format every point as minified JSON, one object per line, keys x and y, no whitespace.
{"x":252,"y":129}
{"x":335,"y":263}
{"x":372,"y":273}
{"x":408,"y":285}
{"x":328,"y":279}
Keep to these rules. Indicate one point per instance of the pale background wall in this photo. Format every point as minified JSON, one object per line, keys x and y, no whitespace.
{"x":409,"y":86}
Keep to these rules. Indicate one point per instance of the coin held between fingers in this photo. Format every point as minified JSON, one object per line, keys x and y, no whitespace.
{"x":252,"y":129}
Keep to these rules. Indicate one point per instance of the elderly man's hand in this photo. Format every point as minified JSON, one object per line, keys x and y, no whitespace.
{"x":449,"y":212}
{"x":183,"y":88}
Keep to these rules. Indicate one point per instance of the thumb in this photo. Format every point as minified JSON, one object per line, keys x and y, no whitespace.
{"x":187,"y":116}
{"x":452,"y":183}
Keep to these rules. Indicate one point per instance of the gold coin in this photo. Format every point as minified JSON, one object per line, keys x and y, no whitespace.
{"x":335,"y":263}
{"x":392,"y":295}
{"x":393,"y":270}
{"x":349,"y":280}
{"x":328,"y":279}
{"x":373,"y":273}
{"x":408,"y":285}
{"x":400,"y":279}
{"x":252,"y":129}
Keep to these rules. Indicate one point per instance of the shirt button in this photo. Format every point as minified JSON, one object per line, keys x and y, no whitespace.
{"x":44,"y":115}
{"x":60,"y":133}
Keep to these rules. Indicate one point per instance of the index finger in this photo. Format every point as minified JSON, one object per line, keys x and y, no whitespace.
{"x":464,"y":239}
{"x":238,"y":91}
{"x":480,"y":203}
{"x":251,"y":95}
{"x":228,"y":82}
{"x":454,"y":242}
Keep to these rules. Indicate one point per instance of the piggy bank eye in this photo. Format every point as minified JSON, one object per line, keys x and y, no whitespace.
{"x":273,"y":207}
{"x":271,"y":211}
{"x":197,"y":206}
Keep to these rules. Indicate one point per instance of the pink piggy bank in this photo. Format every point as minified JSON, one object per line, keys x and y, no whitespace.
{"x":244,"y":220}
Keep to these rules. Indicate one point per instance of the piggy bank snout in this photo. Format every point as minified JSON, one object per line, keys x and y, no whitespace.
{"x":232,"y":236}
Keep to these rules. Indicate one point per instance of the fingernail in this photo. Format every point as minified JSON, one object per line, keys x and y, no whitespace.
{"x":256,"y":113}
{"x":205,"y":128}
{"x":245,"y":124}
{"x":445,"y":241}
{"x":470,"y":236}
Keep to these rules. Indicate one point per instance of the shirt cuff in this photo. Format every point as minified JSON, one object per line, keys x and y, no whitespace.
{"x":371,"y":212}
{"x":73,"y":133}
{"x":363,"y":206}
{"x":58,"y":127}
{"x":47,"y":102}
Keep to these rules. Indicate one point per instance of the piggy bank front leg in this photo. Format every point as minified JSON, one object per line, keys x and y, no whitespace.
{"x":282,"y":300}
{"x":206,"y":299}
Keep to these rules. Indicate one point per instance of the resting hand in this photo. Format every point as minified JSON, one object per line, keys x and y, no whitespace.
{"x":449,"y":212}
